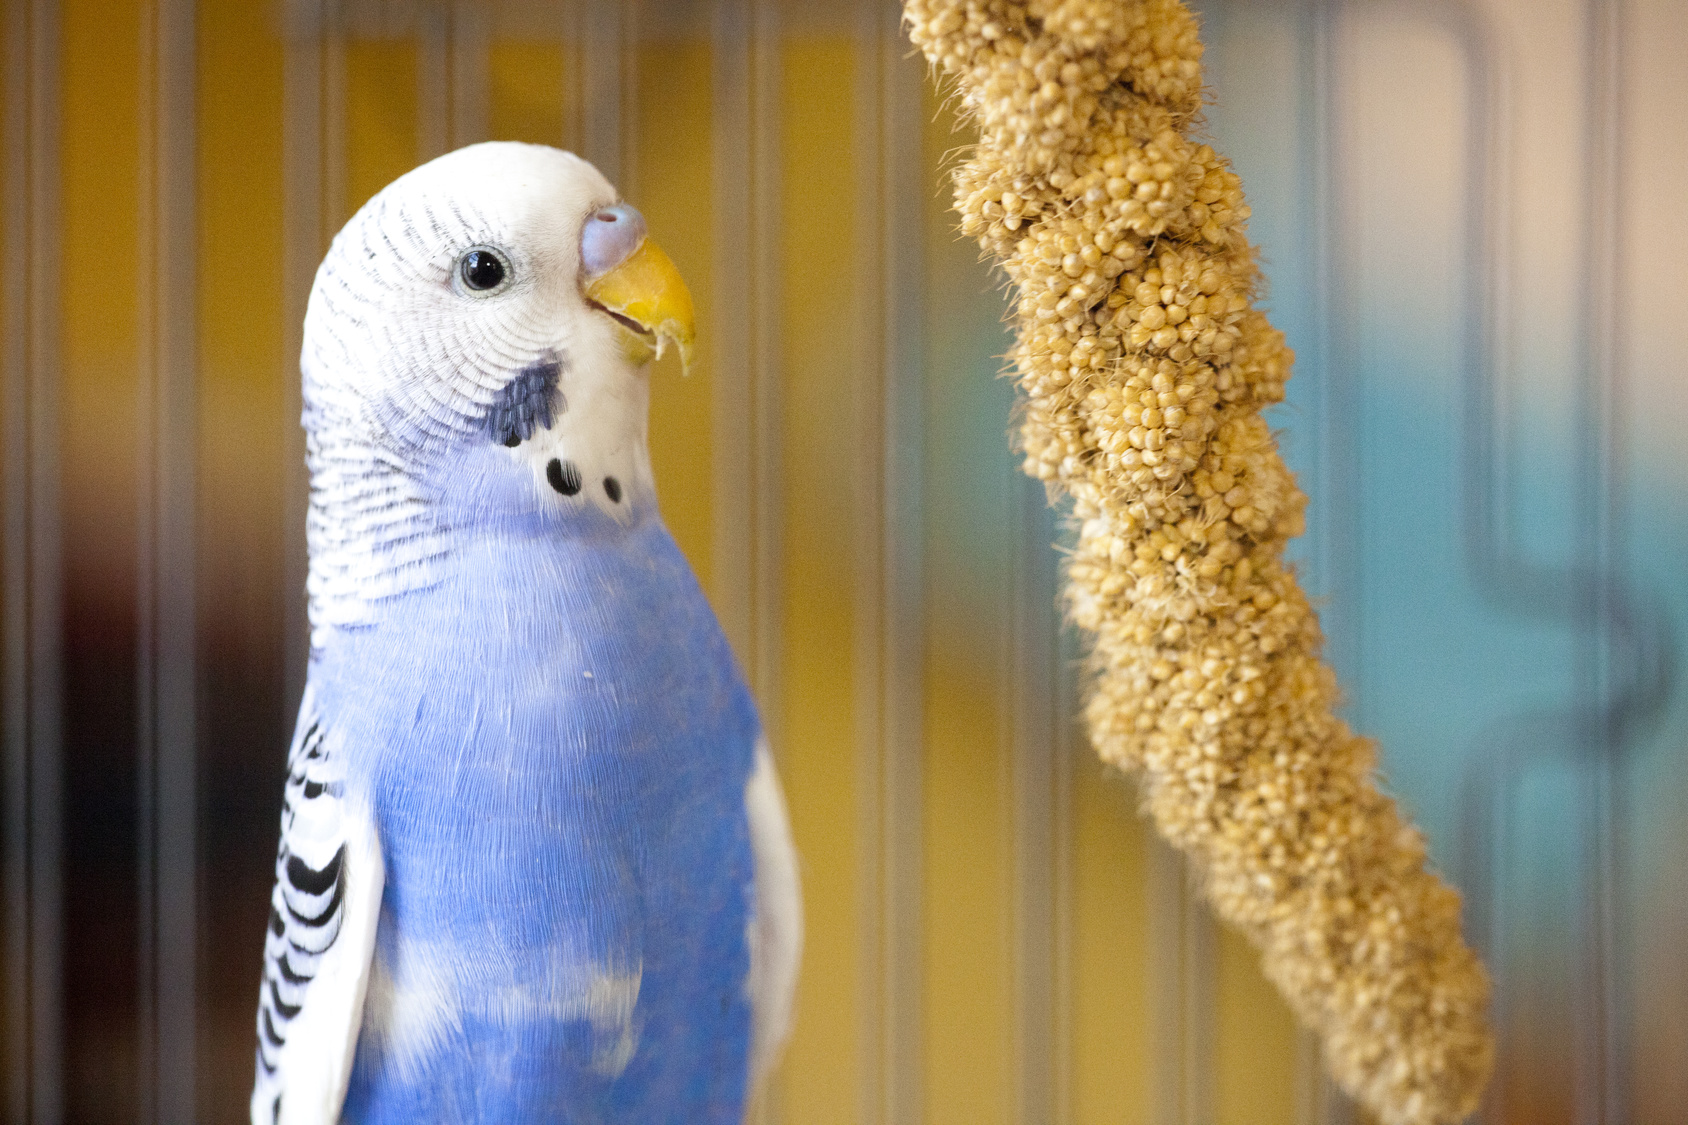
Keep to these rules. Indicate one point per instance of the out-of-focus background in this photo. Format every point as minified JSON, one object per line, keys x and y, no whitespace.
{"x":1474,"y":217}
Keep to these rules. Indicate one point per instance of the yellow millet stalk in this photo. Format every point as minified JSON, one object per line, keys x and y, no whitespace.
{"x":1145,"y":367}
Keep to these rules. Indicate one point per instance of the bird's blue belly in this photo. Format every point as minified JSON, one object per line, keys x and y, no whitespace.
{"x":556,"y":740}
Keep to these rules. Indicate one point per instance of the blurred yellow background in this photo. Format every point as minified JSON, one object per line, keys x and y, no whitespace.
{"x":822,"y":359}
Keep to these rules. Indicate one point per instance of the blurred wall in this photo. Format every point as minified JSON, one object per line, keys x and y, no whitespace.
{"x":1462,"y":210}
{"x":1471,"y":223}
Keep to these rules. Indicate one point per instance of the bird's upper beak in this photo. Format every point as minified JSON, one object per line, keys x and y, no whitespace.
{"x":630,"y":278}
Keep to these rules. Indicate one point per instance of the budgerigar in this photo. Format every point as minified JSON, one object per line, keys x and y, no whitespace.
{"x":535,"y":864}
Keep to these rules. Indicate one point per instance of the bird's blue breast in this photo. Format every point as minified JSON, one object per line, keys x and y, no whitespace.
{"x":556,"y":741}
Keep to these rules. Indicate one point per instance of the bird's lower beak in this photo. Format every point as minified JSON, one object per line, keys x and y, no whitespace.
{"x":648,"y":298}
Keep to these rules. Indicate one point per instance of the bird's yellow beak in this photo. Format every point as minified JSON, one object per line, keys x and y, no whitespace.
{"x":649,"y":298}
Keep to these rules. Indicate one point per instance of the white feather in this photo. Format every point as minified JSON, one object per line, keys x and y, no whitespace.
{"x":420,"y":998}
{"x":776,"y":923}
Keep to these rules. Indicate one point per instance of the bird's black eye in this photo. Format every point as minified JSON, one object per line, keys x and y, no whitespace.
{"x":482,"y":270}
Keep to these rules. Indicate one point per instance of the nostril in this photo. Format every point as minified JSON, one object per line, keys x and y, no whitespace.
{"x":609,"y":237}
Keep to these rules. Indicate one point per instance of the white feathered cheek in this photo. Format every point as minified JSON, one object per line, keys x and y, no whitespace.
{"x":581,"y":438}
{"x":579,"y":433}
{"x":575,"y":415}
{"x":442,"y":348}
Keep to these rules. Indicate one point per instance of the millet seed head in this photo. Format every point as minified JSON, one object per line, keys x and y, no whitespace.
{"x":1145,"y":366}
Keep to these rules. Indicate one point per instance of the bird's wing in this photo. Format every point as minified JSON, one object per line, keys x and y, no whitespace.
{"x":776,"y":925}
{"x":321,"y":935}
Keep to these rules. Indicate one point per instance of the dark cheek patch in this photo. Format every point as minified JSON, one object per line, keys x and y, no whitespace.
{"x":564,"y":476}
{"x":527,"y":403}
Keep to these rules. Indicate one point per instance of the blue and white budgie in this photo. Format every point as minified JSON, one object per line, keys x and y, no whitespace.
{"x":535,"y":864}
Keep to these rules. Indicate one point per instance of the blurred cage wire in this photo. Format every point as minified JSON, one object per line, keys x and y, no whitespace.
{"x":1471,"y":216}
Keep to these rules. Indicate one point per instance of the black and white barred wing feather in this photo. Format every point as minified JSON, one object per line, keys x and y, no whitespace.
{"x":321,"y":937}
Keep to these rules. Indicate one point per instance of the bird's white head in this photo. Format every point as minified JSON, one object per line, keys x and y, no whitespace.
{"x":475,"y":351}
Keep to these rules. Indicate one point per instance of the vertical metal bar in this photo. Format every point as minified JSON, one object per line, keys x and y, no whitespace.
{"x":177,"y":385}
{"x":14,"y":566}
{"x":434,"y":87}
{"x":1041,"y":754}
{"x":335,"y":186}
{"x":31,"y":777}
{"x":745,"y":424}
{"x":601,"y":78}
{"x":469,"y":73}
{"x":1602,"y":1087}
{"x":146,"y":585}
{"x":14,"y":559}
{"x":875,"y":1104}
{"x":627,"y":52}
{"x":1309,"y":1073}
{"x":1166,"y":1008}
{"x":1341,"y":476}
{"x":1312,"y":357}
{"x":1069,"y":742}
{"x":1201,"y":1007}
{"x":766,"y":219}
{"x":732,"y":377}
{"x":1335,"y":562}
{"x":302,"y":223}
{"x":167,"y":665}
{"x":570,"y":23}
{"x":1318,"y":1101}
{"x":746,"y":420}
{"x":1501,"y":572}
{"x":889,"y":598}
{"x":904,"y":315}
{"x":882,"y":1092}
{"x":451,"y":76}
{"x":1183,"y":993}
{"x":45,"y":593}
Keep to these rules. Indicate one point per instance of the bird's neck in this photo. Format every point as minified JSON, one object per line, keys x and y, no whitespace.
{"x":372,"y":532}
{"x":382,"y":532}
{"x":387,"y":515}
{"x":500,"y":600}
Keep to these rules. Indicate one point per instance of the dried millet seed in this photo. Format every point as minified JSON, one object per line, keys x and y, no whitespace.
{"x":1145,"y":366}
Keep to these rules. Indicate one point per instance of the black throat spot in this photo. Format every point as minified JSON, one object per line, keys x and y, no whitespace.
{"x":564,"y":476}
{"x":527,"y":403}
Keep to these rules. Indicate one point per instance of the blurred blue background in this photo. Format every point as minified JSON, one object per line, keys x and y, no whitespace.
{"x":1470,"y":219}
